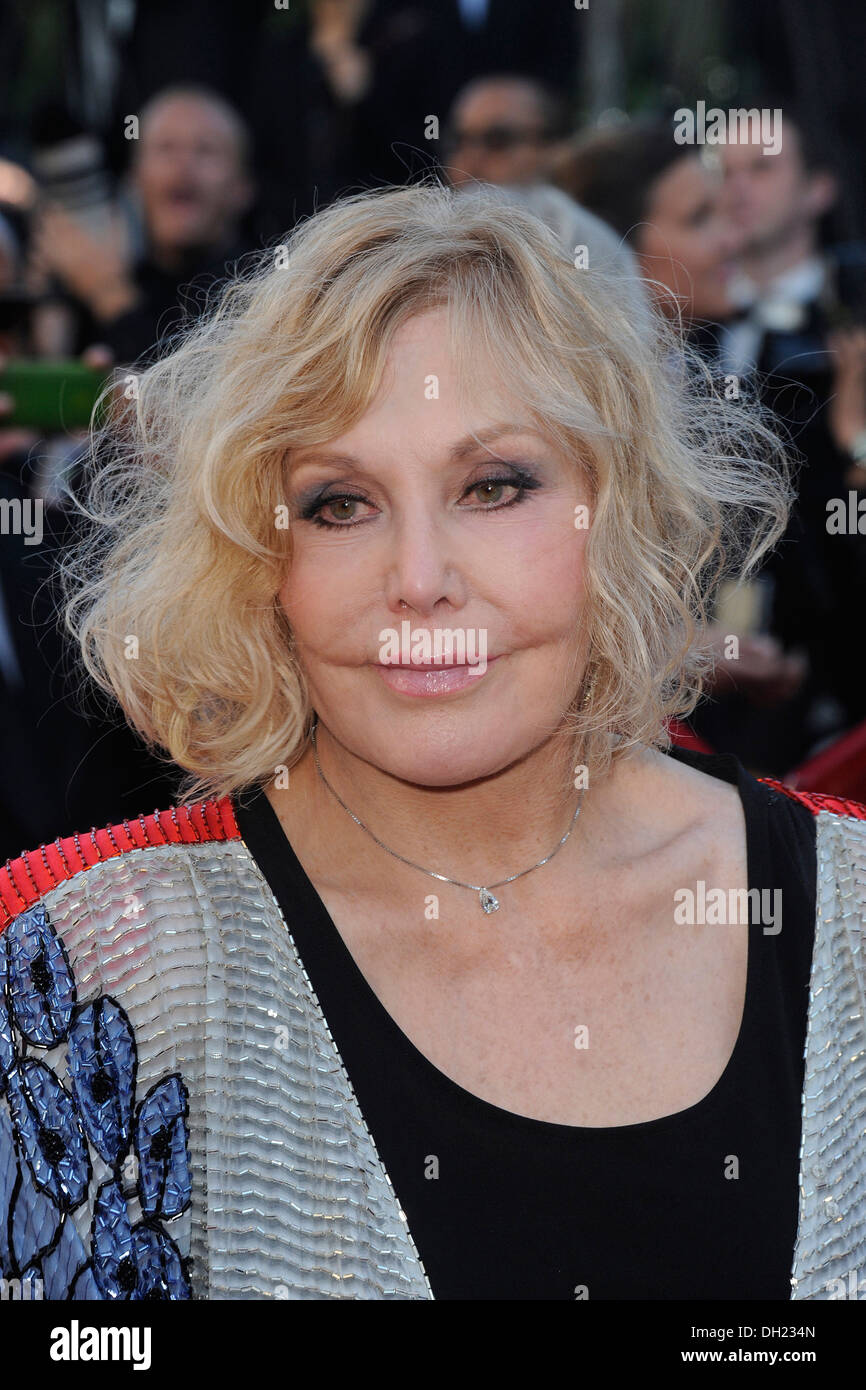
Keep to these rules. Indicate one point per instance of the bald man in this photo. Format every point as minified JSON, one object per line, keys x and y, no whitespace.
{"x":190,"y":173}
{"x":191,"y":182}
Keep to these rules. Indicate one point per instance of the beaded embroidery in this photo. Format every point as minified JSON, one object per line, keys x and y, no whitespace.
{"x":56,"y":1141}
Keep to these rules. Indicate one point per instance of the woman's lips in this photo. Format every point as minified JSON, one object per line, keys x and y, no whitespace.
{"x":426,"y":681}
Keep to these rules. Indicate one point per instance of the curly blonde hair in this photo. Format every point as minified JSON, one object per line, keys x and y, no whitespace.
{"x":171,"y":594}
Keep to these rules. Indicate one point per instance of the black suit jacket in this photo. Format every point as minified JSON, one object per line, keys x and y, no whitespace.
{"x":64,"y":765}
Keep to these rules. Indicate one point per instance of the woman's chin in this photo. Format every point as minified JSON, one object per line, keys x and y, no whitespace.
{"x":445,"y":762}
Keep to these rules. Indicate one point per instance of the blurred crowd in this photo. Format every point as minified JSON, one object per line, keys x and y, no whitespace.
{"x":121,"y":213}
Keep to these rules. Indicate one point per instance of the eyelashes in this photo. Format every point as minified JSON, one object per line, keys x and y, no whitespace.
{"x":520,"y":480}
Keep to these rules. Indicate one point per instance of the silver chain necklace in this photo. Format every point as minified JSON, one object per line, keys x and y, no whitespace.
{"x":488,"y":900}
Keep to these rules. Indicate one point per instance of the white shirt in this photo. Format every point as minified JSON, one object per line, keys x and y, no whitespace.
{"x":779,"y":308}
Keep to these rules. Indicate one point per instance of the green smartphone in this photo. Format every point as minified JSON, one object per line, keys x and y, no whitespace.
{"x":51,"y":395}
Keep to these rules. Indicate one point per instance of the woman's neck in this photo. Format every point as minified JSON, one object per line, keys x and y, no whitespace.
{"x":478,"y":832}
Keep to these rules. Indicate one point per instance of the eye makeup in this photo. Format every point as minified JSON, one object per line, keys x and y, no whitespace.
{"x":520,"y":477}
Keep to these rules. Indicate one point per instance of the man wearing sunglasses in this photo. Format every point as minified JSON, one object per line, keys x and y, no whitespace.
{"x":503,"y":130}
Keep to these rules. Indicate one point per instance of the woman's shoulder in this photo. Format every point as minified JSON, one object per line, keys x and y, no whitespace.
{"x":814,"y":842}
{"x":707,"y":774}
{"x":699,"y":803}
{"x":35,"y":874}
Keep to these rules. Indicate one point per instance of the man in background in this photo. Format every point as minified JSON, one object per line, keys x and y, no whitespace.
{"x":777,"y":201}
{"x":504,"y":129}
{"x":190,"y":182}
{"x":793,"y":335}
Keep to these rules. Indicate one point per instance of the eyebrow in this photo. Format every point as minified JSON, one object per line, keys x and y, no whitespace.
{"x":456,"y":454}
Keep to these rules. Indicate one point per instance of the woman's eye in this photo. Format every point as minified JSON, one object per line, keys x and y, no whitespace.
{"x":492,"y":489}
{"x":341,"y":512}
{"x":341,"y":508}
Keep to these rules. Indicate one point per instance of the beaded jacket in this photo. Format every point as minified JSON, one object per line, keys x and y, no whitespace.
{"x":176,"y":1120}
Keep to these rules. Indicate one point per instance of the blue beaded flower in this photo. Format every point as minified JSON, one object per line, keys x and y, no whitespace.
{"x":58,"y":1144}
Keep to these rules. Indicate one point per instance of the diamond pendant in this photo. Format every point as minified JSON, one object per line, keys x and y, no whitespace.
{"x":488,"y":901}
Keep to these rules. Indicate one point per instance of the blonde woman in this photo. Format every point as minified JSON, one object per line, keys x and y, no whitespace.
{"x":450,"y":979}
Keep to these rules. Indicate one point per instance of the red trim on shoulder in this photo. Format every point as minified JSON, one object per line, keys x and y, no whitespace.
{"x":35,"y":872}
{"x":819,"y":801}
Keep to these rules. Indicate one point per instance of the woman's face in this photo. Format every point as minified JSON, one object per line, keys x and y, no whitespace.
{"x":687,"y":243}
{"x":431,"y":530}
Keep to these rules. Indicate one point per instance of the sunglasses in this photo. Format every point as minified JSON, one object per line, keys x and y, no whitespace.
{"x":495,"y":139}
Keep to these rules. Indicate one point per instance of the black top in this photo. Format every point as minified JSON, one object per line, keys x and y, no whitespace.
{"x":701,"y":1204}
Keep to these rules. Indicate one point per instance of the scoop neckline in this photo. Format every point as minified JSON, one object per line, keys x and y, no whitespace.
{"x":288,"y":880}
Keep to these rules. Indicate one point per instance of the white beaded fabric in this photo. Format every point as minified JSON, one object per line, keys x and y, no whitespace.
{"x":289,"y":1196}
{"x":831,"y":1237}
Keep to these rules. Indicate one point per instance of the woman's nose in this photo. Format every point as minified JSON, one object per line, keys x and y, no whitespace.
{"x":425,"y":569}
